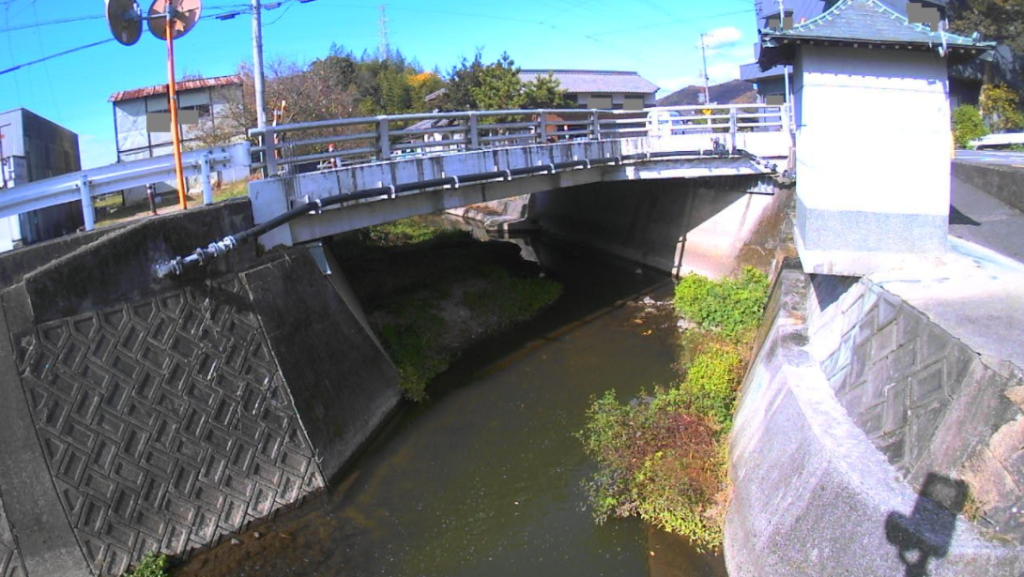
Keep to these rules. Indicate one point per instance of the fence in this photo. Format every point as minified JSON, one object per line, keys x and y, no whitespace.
{"x":307,"y":146}
{"x":85,"y":185}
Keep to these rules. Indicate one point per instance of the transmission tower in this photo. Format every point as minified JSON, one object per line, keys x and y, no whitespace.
{"x":383,"y":49}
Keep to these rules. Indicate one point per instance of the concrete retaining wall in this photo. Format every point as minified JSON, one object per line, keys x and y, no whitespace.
{"x":679,"y":226}
{"x":1000,"y":182}
{"x":813,"y":493}
{"x":147,"y":414}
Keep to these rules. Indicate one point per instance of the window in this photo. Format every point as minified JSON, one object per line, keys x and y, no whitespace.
{"x":633,"y":103}
{"x":600,"y":101}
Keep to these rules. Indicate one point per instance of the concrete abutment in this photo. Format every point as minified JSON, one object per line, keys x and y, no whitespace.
{"x":861,"y":414}
{"x":152,"y":414}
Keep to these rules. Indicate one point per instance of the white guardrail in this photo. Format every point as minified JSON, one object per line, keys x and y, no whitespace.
{"x":1004,"y":139}
{"x":348,"y":141}
{"x":85,"y":185}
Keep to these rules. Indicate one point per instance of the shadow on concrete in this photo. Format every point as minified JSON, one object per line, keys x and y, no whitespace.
{"x":928,"y":531}
{"x":828,"y":288}
{"x":957,"y":217}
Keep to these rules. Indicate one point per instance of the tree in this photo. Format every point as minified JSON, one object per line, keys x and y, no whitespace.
{"x":544,"y":92}
{"x":499,"y":87}
{"x":1000,"y":107}
{"x":461,"y":81}
{"x":999,"y":20}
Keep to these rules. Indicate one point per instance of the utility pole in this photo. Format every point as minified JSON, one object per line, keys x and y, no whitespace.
{"x":257,"y":64}
{"x":704,"y":56}
{"x":384,"y":47}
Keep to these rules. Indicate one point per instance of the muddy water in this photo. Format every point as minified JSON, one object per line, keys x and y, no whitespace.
{"x":486,"y":479}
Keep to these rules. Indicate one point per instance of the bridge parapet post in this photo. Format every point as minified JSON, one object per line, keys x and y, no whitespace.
{"x":87,"y":208}
{"x":474,"y":131}
{"x":595,"y":125}
{"x":542,"y":123}
{"x":732,"y":129}
{"x":383,"y":138}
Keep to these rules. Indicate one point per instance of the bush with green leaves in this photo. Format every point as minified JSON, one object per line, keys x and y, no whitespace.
{"x":662,"y":456}
{"x":656,"y":462}
{"x":728,"y":307}
{"x":151,"y":565}
{"x":967,"y":125}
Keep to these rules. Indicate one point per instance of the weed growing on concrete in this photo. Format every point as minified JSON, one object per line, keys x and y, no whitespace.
{"x":663,"y":456}
{"x":151,"y":565}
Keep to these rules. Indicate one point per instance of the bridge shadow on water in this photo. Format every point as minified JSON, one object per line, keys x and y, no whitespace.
{"x":927,"y":532}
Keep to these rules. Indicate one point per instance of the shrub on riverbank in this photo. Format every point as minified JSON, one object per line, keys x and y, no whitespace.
{"x":428,"y":330}
{"x":431,"y":291}
{"x":663,"y":456}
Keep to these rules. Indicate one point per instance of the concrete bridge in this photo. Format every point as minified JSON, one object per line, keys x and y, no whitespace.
{"x":168,"y":412}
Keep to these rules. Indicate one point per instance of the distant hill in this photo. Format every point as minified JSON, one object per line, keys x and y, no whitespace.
{"x":732,"y":92}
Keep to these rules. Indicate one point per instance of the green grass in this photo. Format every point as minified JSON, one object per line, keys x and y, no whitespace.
{"x":151,"y":565}
{"x":662,"y":456}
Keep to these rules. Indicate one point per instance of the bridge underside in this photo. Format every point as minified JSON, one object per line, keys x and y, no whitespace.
{"x":568,"y":165}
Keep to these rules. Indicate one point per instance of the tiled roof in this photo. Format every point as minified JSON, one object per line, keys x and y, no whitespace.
{"x":231,"y":80}
{"x":595,"y":81}
{"x":868,"y":21}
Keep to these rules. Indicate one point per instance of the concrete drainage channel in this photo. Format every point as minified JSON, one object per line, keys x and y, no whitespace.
{"x":854,"y":430}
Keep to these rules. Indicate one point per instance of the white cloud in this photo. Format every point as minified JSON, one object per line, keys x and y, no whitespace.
{"x":722,"y":37}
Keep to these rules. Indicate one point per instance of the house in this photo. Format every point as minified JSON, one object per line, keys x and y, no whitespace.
{"x":602,"y":89}
{"x":204,"y":104}
{"x":33,"y":148}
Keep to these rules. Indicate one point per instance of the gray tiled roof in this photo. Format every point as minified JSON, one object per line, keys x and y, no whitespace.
{"x":867,"y":21}
{"x":595,"y":81}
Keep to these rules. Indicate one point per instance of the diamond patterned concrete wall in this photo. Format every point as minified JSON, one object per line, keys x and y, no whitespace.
{"x":10,"y":559}
{"x":896,"y":373}
{"x":165,"y":423}
{"x":925,"y":399}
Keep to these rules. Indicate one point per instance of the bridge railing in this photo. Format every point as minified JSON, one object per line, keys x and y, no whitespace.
{"x":319,"y":145}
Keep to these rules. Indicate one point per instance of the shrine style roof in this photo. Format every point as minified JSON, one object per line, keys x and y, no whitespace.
{"x":865,"y":24}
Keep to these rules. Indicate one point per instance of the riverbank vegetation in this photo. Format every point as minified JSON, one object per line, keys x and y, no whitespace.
{"x":662,"y":456}
{"x":431,"y":291}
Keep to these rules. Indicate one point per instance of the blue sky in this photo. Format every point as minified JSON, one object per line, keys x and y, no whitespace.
{"x":657,"y":38}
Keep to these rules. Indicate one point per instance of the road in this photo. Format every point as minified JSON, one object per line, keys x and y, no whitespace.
{"x":977,"y":217}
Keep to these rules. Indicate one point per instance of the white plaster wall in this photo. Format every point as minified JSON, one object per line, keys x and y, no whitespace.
{"x":873,"y":130}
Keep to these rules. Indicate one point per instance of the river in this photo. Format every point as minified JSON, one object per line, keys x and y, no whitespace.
{"x":486,"y":478}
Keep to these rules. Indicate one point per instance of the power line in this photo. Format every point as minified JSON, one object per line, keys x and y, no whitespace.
{"x":52,"y":56}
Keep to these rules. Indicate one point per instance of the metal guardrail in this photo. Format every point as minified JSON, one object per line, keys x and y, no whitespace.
{"x":349,"y":141}
{"x":996,"y":140}
{"x":85,"y":185}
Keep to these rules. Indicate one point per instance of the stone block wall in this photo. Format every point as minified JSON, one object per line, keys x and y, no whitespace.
{"x":926,"y":400}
